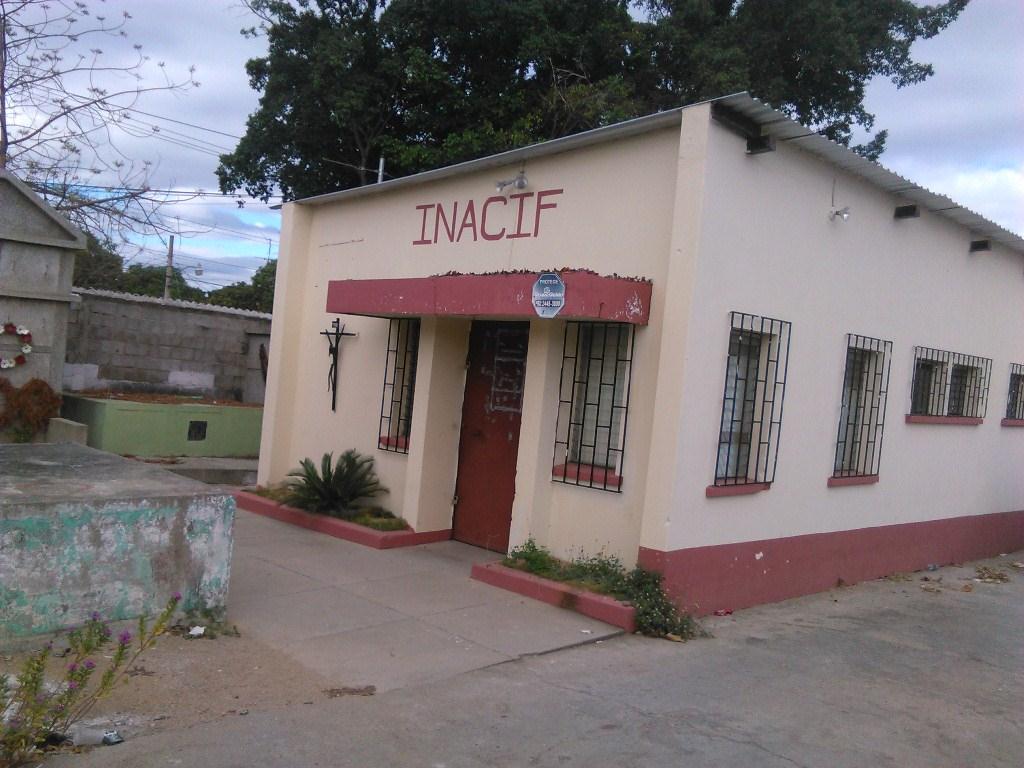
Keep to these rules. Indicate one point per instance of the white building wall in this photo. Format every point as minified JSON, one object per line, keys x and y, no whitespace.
{"x":767,"y":247}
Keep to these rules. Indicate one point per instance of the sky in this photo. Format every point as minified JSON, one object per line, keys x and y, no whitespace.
{"x":959,"y":133}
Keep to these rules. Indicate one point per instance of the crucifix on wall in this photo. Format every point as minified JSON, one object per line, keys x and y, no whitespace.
{"x":334,"y":335}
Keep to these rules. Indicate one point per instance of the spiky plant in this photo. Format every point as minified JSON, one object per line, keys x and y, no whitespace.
{"x":334,"y":490}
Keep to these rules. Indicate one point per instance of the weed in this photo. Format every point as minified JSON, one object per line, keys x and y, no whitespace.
{"x":35,"y":714}
{"x":656,"y":614}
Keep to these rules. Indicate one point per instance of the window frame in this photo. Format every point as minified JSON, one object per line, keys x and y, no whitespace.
{"x":576,"y":432}
{"x":1015,"y":397}
{"x":864,"y":451}
{"x":956,"y":390}
{"x":768,"y":376}
{"x":399,"y":376}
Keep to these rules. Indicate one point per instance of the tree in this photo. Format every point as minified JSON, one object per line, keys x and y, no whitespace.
{"x":257,"y":295}
{"x":149,"y":281}
{"x":426,"y":83}
{"x":62,"y":102}
{"x":98,"y":266}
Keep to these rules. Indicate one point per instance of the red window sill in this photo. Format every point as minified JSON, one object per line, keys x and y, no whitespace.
{"x":920,"y":418}
{"x":385,"y":441}
{"x":713,"y":491}
{"x":1012,"y":423}
{"x":588,"y":475}
{"x":839,"y":482}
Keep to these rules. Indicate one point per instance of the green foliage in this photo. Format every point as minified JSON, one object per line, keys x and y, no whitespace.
{"x":425,"y":84}
{"x":335,"y":488}
{"x":99,"y":266}
{"x":36,"y":714}
{"x":149,"y":281}
{"x":656,"y":615}
{"x":257,"y":295}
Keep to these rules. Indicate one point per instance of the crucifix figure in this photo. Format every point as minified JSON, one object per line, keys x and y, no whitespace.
{"x":334,"y":335}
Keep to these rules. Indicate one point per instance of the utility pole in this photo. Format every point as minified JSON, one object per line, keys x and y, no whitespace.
{"x":170,"y":269}
{"x":380,"y":171}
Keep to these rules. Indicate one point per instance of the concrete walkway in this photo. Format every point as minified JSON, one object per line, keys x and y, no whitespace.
{"x":388,"y":618}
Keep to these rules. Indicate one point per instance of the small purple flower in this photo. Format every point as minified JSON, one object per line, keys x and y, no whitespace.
{"x":94,"y":616}
{"x":73,"y":666}
{"x":89,"y":664}
{"x":72,"y":685}
{"x":176,"y":597}
{"x":124,"y":638}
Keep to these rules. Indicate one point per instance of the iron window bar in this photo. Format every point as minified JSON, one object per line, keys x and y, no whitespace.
{"x":593,"y":405}
{"x":399,"y":385}
{"x":1015,"y":395}
{"x":752,"y":400}
{"x":862,"y":413}
{"x":949,"y":383}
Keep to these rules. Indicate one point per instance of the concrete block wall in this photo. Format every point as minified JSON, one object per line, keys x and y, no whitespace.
{"x":139,"y":343}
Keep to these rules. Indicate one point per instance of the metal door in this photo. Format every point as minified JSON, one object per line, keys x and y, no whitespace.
{"x":489,"y":442}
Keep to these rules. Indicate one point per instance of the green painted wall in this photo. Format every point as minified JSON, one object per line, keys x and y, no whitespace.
{"x":152,"y":429}
{"x":124,"y":558}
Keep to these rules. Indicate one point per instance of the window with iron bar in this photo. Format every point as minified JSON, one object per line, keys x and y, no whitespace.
{"x":862,"y":414}
{"x":755,"y":387}
{"x":593,"y":403}
{"x":1015,"y":396}
{"x":949,"y":383}
{"x":399,"y":385}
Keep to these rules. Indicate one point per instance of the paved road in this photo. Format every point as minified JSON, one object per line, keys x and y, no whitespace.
{"x":881,"y":674}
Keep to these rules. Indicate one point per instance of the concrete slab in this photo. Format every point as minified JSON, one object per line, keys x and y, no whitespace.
{"x":424,"y":593}
{"x":517,"y":626}
{"x":394,"y":655}
{"x":350,"y":612}
{"x":286,"y":619}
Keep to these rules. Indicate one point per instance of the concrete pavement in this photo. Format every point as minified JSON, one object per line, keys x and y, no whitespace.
{"x":388,"y":618}
{"x":881,"y":674}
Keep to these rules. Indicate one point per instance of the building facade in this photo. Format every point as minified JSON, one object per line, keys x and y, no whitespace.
{"x":709,"y":341}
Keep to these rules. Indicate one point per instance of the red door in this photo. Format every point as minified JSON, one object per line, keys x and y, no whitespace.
{"x":489,"y":443}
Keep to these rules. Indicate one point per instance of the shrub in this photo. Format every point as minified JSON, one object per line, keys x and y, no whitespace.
{"x":656,"y":614}
{"x":34,"y":714}
{"x":334,"y":490}
{"x":29,"y":409}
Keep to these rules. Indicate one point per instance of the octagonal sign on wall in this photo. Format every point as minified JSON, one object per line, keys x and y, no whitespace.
{"x":548,"y":294}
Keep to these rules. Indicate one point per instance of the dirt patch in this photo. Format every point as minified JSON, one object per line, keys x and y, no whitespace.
{"x":182,"y":682}
{"x":160,"y":399}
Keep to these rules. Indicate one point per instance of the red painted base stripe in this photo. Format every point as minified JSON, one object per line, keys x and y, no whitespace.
{"x":1012,"y":423}
{"x":339,"y":529}
{"x":705,"y":579}
{"x":600,"y":607}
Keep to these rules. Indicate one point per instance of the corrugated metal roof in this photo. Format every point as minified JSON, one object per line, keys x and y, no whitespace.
{"x":180,"y":303}
{"x":771,"y":122}
{"x":782,"y":128}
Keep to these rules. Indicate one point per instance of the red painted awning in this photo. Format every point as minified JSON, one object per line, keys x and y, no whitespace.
{"x":588,"y":296}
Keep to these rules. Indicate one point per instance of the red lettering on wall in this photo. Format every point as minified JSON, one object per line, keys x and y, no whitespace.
{"x":423,"y":226}
{"x":541,"y":205}
{"x":483,"y":218}
{"x":521,"y":197}
{"x":440,"y":217}
{"x":468,"y":221}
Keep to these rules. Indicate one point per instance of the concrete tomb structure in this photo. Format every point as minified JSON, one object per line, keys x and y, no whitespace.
{"x":37,"y":260}
{"x":83,"y":531}
{"x":709,"y":341}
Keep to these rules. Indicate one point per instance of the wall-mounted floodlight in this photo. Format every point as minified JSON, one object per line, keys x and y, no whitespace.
{"x":842,"y":213}
{"x":518,"y":182}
